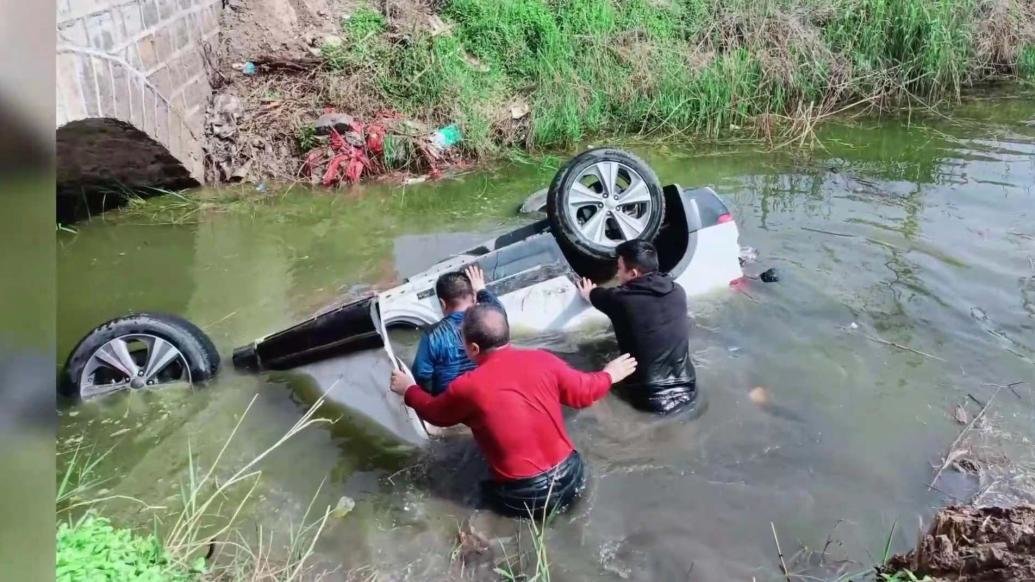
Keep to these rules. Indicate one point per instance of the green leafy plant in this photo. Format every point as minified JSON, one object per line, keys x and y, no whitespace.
{"x":307,"y":138}
{"x":93,"y":549}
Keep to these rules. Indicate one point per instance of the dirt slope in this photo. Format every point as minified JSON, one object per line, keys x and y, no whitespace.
{"x":972,"y":544}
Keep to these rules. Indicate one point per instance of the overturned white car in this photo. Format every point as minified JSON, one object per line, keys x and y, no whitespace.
{"x":597,"y":200}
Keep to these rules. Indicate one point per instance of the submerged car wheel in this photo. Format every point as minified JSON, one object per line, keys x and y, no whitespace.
{"x":141,"y":351}
{"x":602,"y":198}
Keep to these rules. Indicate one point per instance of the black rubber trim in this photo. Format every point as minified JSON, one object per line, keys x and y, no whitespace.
{"x":348,"y":328}
{"x":682,"y":235}
{"x":246,"y":358}
{"x":521,"y":233}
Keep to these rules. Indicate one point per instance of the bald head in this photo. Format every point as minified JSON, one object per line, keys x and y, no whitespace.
{"x":486,"y":326}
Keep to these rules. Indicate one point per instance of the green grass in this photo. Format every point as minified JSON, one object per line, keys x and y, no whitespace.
{"x":669,"y":67}
{"x":925,"y":45}
{"x":1026,"y":62}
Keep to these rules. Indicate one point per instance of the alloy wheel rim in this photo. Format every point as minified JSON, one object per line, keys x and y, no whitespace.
{"x":133,"y":361}
{"x":609,"y":203}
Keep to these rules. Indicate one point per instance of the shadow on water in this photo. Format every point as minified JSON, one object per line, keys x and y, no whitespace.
{"x":933,"y":248}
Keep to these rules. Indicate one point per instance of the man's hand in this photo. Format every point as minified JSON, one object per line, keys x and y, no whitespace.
{"x":401,"y":381}
{"x":585,"y":286}
{"x":620,"y":368}
{"x":476,"y":276}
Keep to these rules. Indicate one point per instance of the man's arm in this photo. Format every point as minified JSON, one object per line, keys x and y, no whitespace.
{"x":477,"y":278}
{"x":486,"y":296}
{"x":580,"y":389}
{"x":602,"y":299}
{"x":448,"y":408}
{"x":423,"y":365}
{"x":598,"y":297}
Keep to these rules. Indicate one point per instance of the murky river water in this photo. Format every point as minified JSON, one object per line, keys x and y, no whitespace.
{"x":936,"y":252}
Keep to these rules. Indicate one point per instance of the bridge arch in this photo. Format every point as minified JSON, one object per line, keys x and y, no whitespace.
{"x":132,"y":90}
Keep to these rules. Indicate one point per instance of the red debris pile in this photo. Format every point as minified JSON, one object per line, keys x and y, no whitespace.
{"x":354,"y":149}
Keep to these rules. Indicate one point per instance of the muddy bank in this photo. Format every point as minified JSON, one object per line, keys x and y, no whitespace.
{"x":535,"y":74}
{"x":275,"y":124}
{"x":975,"y":544}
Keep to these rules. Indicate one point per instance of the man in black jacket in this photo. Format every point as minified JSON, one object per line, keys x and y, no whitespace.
{"x":649,"y":313}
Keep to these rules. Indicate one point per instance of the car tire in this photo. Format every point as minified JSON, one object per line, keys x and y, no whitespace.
{"x":195,"y":355}
{"x":570,"y":200}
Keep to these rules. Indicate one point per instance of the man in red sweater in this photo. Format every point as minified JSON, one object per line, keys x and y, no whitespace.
{"x":512,"y":403}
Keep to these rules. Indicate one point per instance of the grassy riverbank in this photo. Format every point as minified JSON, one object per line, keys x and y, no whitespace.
{"x":585,"y":67}
{"x":200,"y":537}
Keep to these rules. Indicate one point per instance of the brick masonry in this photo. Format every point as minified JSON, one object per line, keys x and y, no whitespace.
{"x":139,"y":62}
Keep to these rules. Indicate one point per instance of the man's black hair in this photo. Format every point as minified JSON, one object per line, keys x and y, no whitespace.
{"x":638,"y":254}
{"x":486,"y":325}
{"x":453,"y":287}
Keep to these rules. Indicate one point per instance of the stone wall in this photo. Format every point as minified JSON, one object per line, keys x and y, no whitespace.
{"x":140,"y":62}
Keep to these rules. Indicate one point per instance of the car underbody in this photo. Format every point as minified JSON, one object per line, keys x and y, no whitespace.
{"x":345,"y":353}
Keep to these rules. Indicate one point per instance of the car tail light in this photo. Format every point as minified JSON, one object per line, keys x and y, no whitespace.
{"x":725,"y":218}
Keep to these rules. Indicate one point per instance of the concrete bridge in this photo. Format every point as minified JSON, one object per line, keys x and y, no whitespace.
{"x":132,"y":91}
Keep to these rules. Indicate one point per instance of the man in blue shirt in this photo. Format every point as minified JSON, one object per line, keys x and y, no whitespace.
{"x":440,"y":356}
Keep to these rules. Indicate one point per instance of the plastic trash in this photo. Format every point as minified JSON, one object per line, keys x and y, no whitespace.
{"x":344,"y":507}
{"x":446,"y":137}
{"x":249,"y":68}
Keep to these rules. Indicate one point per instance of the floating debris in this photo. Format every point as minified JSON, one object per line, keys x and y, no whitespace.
{"x":759,"y":395}
{"x":960,"y":414}
{"x":344,"y":507}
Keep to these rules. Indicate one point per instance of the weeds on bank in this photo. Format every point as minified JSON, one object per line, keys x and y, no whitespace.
{"x":704,"y":67}
{"x":540,"y":568}
{"x":1026,"y":63}
{"x":307,"y":138}
{"x":512,"y":568}
{"x":202,"y":540}
{"x":900,"y":575}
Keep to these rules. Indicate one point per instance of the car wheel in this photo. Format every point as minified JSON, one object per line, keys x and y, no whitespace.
{"x":140,"y":351}
{"x":602,"y":198}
